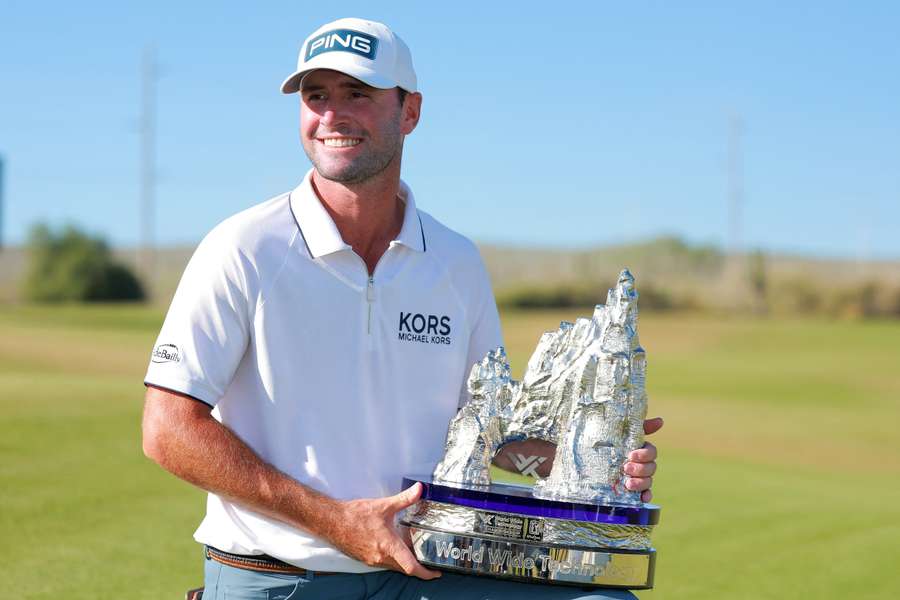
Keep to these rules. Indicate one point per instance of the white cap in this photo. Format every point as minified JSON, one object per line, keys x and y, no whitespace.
{"x":365,"y":50}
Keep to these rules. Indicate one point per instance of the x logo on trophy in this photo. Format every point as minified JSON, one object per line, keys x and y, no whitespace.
{"x":527,"y":465}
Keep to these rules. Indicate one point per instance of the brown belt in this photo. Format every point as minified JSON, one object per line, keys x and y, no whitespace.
{"x":262,"y":562}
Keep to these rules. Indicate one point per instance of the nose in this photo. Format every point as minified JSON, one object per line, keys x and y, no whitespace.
{"x":328,"y":118}
{"x":334,"y":114}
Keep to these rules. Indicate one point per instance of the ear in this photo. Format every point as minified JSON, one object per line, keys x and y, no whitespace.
{"x":410,"y":112}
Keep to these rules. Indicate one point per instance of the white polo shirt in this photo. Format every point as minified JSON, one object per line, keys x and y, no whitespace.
{"x":345,"y":382}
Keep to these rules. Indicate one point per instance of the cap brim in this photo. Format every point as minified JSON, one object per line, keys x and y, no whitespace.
{"x":291,"y":85}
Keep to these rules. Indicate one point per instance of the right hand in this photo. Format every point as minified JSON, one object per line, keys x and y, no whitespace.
{"x":371,"y":537}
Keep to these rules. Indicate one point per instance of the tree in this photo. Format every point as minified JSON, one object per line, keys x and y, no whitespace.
{"x":71,"y":266}
{"x":759,"y":281}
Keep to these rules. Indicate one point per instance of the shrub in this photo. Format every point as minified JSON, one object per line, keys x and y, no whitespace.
{"x":72,"y":266}
{"x":797,"y":296}
{"x":577,"y":296}
{"x":870,"y":299}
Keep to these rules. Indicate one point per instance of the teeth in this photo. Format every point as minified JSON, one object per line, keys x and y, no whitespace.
{"x":340,"y":142}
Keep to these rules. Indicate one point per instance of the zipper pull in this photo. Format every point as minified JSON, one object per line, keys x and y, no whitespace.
{"x":370,"y":298}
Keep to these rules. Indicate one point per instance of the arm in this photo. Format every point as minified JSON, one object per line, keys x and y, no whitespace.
{"x":180,"y":434}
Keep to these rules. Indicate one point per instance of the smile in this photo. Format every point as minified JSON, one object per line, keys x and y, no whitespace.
{"x":341,"y":142}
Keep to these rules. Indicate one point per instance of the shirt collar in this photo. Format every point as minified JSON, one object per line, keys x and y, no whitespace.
{"x":411,"y":234}
{"x":321,"y":234}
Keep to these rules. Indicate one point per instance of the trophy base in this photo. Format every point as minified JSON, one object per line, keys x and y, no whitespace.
{"x":533,"y":562}
{"x":504,"y":531}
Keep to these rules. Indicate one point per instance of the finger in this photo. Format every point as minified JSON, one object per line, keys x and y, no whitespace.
{"x":645,"y":454}
{"x":407,"y":563}
{"x":646,"y":495}
{"x":653,"y":425}
{"x":637,"y":469}
{"x":406,"y":498}
{"x":638,"y":484}
{"x":405,"y":536}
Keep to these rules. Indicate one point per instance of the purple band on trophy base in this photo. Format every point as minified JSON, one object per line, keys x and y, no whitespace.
{"x":513,"y":499}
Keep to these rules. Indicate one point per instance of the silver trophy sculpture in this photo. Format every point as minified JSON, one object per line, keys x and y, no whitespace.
{"x":583,"y":391}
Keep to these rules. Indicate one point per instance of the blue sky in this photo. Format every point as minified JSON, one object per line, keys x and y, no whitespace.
{"x":563,"y":123}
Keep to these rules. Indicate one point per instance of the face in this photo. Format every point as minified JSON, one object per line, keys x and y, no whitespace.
{"x":350,"y":131}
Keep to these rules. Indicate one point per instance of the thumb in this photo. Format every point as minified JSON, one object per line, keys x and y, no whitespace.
{"x":407,"y":497}
{"x":653,"y":425}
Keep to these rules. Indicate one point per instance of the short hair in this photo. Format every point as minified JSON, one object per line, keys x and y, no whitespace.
{"x":401,"y":94}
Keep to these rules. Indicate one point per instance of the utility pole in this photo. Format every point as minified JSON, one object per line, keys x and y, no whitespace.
{"x":147,"y":209}
{"x":737,"y":267}
{"x":735,"y":185}
{"x":1,"y":202}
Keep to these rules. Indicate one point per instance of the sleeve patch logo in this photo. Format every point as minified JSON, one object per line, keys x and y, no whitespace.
{"x":165,"y":353}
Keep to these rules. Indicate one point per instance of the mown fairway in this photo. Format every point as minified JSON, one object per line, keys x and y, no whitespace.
{"x":779,"y":460}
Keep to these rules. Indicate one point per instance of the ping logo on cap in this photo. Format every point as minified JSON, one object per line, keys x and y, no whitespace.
{"x":343,"y":40}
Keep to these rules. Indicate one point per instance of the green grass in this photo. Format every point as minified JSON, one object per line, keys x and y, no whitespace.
{"x":83,"y":513}
{"x":779,"y":460}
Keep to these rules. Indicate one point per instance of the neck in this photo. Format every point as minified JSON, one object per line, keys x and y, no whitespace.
{"x":368,"y":214}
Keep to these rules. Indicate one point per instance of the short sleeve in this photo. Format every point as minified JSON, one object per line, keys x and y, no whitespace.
{"x":485,"y":334}
{"x":206,"y":331}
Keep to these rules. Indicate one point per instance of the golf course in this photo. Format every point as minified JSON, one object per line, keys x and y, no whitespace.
{"x":779,"y":466}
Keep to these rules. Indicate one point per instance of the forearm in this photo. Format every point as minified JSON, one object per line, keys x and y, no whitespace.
{"x":183,"y":438}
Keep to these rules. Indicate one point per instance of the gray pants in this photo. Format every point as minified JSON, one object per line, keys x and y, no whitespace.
{"x":225,"y":582}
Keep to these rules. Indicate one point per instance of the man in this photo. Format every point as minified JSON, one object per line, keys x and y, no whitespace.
{"x":332,"y":328}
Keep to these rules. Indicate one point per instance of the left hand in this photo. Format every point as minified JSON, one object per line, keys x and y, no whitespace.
{"x":641,"y":464}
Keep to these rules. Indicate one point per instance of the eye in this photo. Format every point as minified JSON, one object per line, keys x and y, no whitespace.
{"x":315,"y":97}
{"x":358,"y":94}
